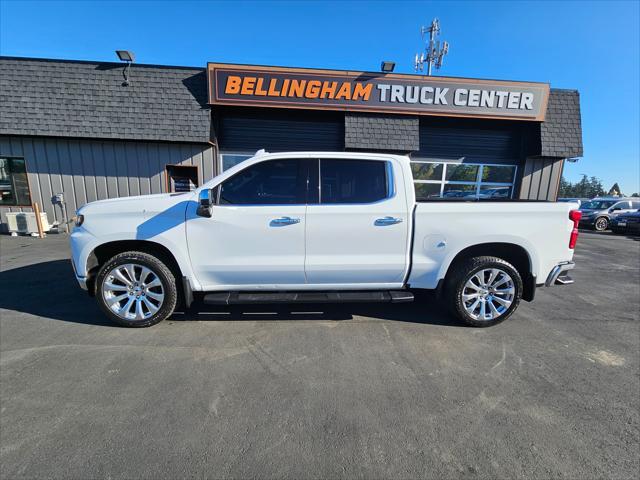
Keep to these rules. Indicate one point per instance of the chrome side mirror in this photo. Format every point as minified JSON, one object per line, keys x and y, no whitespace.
{"x":205,"y":202}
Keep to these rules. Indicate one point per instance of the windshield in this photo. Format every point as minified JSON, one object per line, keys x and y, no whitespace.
{"x":597,"y":204}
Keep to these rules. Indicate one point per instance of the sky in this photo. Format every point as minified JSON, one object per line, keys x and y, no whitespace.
{"x":593,"y":47}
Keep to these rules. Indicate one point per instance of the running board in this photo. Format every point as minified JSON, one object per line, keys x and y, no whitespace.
{"x":234,"y":298}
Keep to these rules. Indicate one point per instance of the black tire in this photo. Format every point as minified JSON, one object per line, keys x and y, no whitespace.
{"x":601,"y":224}
{"x":464,"y":271}
{"x":159,"y":269}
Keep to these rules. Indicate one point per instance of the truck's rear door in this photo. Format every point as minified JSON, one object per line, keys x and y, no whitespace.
{"x":357,"y":230}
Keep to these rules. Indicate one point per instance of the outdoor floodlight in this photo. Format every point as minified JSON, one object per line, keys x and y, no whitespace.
{"x":387,"y":67}
{"x":125,"y":55}
{"x":129,"y":57}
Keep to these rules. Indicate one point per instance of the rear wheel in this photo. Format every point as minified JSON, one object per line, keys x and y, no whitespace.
{"x":484,"y":291}
{"x":601,"y":224}
{"x":136,"y":289}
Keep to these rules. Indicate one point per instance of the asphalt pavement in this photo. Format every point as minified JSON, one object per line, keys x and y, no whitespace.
{"x":340,"y":391}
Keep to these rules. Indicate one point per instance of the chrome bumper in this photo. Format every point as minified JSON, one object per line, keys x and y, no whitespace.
{"x":558,"y":275}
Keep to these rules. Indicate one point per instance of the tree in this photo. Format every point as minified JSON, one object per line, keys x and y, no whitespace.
{"x":565,"y":190}
{"x":615,"y":190}
{"x":585,"y":188}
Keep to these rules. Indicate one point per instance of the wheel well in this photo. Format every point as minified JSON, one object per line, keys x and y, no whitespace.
{"x":104,"y":252}
{"x":510,"y":252}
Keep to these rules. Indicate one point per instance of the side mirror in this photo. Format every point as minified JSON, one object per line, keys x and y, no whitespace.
{"x":205,"y":202}
{"x":615,"y":209}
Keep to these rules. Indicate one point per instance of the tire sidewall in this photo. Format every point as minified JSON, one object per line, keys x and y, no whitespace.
{"x":469,"y":269}
{"x":154,"y":264}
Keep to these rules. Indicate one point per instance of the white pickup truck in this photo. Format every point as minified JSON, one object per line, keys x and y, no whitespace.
{"x":318,"y":227}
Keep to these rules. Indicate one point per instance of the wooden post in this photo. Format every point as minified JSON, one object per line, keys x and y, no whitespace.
{"x":36,"y":209}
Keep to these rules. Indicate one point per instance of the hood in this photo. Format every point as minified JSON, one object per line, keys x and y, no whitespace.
{"x":155,"y":202}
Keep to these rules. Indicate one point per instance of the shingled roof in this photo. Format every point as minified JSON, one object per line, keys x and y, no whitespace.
{"x":381,"y":132}
{"x":561,"y":132}
{"x":87,"y":99}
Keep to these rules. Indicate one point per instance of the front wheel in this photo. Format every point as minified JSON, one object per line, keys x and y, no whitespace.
{"x":136,"y":289}
{"x":601,"y":224}
{"x":484,"y":291}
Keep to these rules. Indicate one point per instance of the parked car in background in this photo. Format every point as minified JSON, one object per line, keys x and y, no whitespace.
{"x":627,"y":223}
{"x":579,"y":201}
{"x":599,"y":212}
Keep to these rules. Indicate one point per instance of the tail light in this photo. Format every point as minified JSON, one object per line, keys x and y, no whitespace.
{"x":574,"y":216}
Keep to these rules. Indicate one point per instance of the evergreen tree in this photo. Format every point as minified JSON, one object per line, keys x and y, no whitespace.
{"x":615,"y":190}
{"x":585,"y":188}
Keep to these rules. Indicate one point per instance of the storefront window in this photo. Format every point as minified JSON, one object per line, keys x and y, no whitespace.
{"x":462,"y":180}
{"x":14,"y":187}
{"x":228,"y":160}
{"x":498,"y":173}
{"x":462,"y":173}
{"x":427,"y":171}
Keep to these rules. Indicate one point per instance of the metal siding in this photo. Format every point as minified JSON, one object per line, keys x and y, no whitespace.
{"x":554,"y":180}
{"x":541,"y":178}
{"x":207,"y":165}
{"x":52,"y":172}
{"x":155,"y":180}
{"x":545,"y":177}
{"x":99,"y":165}
{"x":111,"y":169}
{"x":96,"y":169}
{"x":245,"y":130}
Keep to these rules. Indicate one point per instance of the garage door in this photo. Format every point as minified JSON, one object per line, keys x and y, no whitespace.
{"x":280,"y":130}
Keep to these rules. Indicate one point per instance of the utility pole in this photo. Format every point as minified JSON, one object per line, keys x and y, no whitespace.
{"x":433,"y":54}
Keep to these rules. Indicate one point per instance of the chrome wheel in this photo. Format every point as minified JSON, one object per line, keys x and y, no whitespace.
{"x":488,"y":294}
{"x":133,"y":291}
{"x":601,"y":224}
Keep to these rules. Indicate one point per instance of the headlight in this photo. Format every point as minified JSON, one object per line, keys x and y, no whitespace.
{"x":79,"y":220}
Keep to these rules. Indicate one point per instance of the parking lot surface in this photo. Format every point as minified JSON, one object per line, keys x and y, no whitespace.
{"x":379,"y":391}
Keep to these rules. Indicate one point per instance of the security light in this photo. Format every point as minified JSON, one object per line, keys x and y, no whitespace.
{"x":387,"y":67}
{"x":126,"y":55}
{"x":129,"y":57}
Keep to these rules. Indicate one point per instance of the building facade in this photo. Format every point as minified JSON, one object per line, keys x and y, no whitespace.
{"x":75,"y":128}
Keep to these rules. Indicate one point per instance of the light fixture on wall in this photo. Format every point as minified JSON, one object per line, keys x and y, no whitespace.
{"x":129,"y":57}
{"x":387,"y":66}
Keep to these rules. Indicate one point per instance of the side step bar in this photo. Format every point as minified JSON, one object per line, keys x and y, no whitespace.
{"x":234,"y":298}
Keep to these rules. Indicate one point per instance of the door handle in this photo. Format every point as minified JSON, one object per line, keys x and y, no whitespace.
{"x":282,"y":221}
{"x":381,"y":222}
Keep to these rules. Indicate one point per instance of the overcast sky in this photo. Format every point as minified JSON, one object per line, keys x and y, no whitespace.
{"x":589,"y":46}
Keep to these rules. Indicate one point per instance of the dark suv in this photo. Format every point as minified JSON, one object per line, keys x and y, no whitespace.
{"x":599,"y":212}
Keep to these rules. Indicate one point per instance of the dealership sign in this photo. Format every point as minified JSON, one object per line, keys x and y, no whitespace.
{"x":375,"y":92}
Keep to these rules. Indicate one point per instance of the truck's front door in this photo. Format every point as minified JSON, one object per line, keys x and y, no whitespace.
{"x":255,"y":235}
{"x":358,"y":228}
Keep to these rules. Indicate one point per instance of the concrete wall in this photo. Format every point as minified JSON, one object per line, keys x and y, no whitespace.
{"x":88,"y":170}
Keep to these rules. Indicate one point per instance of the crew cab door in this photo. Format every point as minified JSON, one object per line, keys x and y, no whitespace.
{"x":358,"y":227}
{"x":255,"y":235}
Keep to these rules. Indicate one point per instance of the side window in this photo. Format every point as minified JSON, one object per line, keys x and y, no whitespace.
{"x":274,"y":182}
{"x":635,"y":205}
{"x":352,"y":181}
{"x":14,"y":187}
{"x":621,"y":206}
